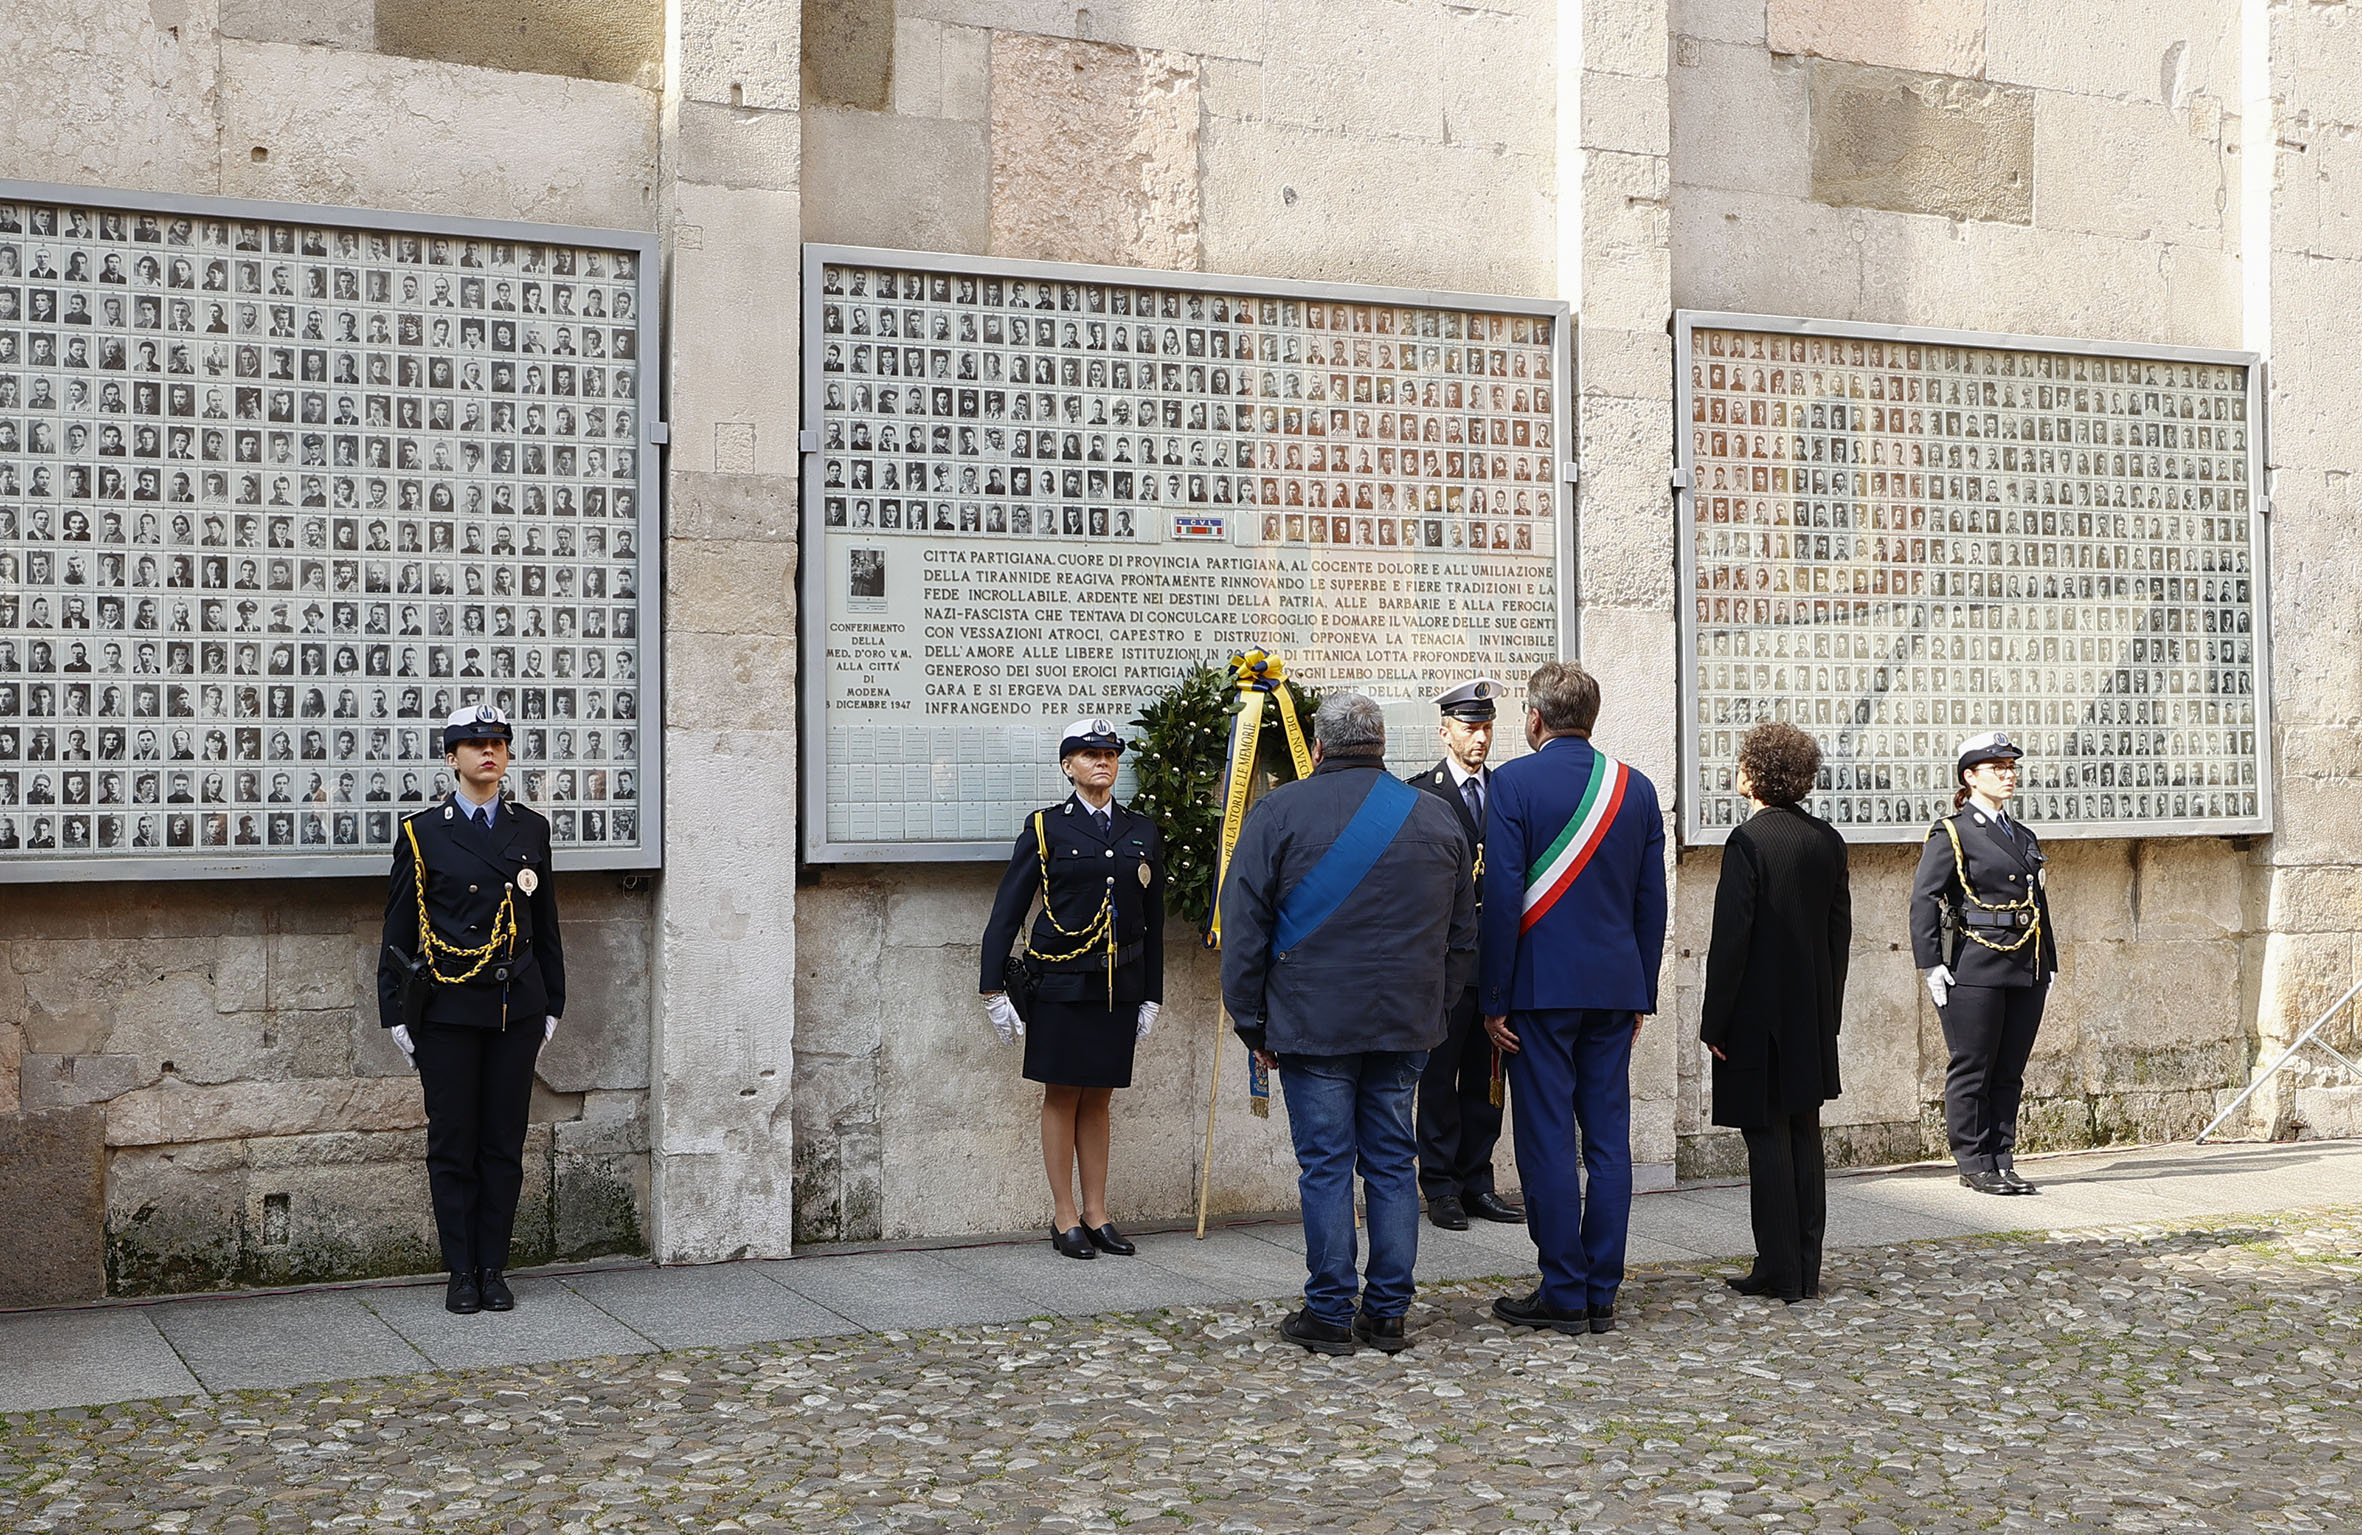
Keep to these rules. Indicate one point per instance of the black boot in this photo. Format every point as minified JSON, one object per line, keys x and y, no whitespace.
{"x":497,"y":1295}
{"x":462,"y":1296}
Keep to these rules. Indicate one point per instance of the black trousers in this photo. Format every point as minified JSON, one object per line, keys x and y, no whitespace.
{"x":479,"y":1094}
{"x":1788,"y":1201}
{"x":1458,"y":1122}
{"x":1989,"y":1031}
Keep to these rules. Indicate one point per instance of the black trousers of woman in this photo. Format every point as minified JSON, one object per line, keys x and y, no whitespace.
{"x":1989,"y":1031}
{"x":479,"y":1096}
{"x":1787,"y":1201}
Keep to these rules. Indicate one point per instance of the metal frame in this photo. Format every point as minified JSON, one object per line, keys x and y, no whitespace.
{"x":812,"y":604}
{"x":1687,"y":321}
{"x":96,"y":867}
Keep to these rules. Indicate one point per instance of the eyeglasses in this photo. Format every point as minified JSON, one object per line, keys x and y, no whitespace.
{"x":2010,"y":768}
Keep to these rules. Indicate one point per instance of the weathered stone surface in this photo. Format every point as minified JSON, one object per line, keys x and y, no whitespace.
{"x":875,"y":179}
{"x":618,"y":40}
{"x":1922,"y":143}
{"x":71,"y":1081}
{"x":735,"y":277}
{"x":52,"y":1207}
{"x":1623,"y":115}
{"x":173,"y":1112}
{"x":332,"y":23}
{"x":341,"y":127}
{"x":115,"y":94}
{"x":1943,"y":37}
{"x":739,"y":147}
{"x":743,"y":53}
{"x":2135,"y":169}
{"x":2138,"y":52}
{"x":849,"y":53}
{"x":1719,"y":21}
{"x":603,"y":1040}
{"x":12,"y":1049}
{"x":840,"y":928}
{"x":1741,"y":118}
{"x":2194,"y":888}
{"x":1094,"y":153}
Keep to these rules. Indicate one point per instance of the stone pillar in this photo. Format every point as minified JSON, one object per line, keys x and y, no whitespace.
{"x":725,"y":946}
{"x":1616,"y":268}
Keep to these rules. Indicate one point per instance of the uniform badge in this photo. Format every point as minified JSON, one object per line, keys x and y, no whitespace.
{"x":528,"y":881}
{"x":1144,"y":876}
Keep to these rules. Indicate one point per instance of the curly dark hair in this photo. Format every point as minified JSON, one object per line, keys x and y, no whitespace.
{"x":1780,"y":761}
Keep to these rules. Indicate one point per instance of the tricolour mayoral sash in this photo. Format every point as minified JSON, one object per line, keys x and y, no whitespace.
{"x":1570,"y":852}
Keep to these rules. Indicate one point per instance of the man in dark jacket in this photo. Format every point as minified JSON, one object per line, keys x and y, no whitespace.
{"x":1348,"y":924}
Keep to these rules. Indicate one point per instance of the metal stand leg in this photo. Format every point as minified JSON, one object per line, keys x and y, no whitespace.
{"x":2286,"y":1056}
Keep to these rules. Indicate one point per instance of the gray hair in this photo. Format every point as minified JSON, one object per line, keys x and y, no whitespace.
{"x":1565,"y":695}
{"x":1350,"y":725}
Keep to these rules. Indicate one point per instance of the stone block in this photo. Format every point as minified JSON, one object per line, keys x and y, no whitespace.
{"x":620,"y":41}
{"x":729,"y":507}
{"x":53,"y":1207}
{"x":1942,"y":37}
{"x":12,"y":1052}
{"x":1619,"y":113}
{"x":1294,"y":202}
{"x":330,"y":23}
{"x":1719,"y":21}
{"x":173,"y":1220}
{"x":327,"y":1217}
{"x":739,"y":147}
{"x":331,"y":126}
{"x":851,"y":57}
{"x":2134,"y":169}
{"x":947,"y":906}
{"x":743,"y":53}
{"x":2320,"y":819}
{"x":910,"y":183}
{"x":311,"y":971}
{"x":736,"y":274}
{"x":125,"y":94}
{"x":2327,"y":1113}
{"x":2315,"y":900}
{"x":1626,"y":211}
{"x":2310,"y":369}
{"x":837,"y":1146}
{"x":917,"y":84}
{"x":1878,"y":1061}
{"x":2051,"y":281}
{"x":729,"y":587}
{"x":723,"y":681}
{"x":1480,"y":72}
{"x":72,"y":1081}
{"x":1231,"y":88}
{"x":1626,"y":558}
{"x":602,"y":1042}
{"x":2091,"y":885}
{"x":1626,"y":39}
{"x":241,"y":973}
{"x":1626,"y":363}
{"x":610,"y":1123}
{"x":964,"y":85}
{"x":1741,"y":119}
{"x":1922,"y":143}
{"x":2191,"y":889}
{"x":2320,"y":199}
{"x":839,"y":1008}
{"x":1632,"y":649}
{"x":174,"y":1112}
{"x":1094,"y":153}
{"x":2303,"y":974}
{"x":2125,"y":50}
{"x":600,"y":1206}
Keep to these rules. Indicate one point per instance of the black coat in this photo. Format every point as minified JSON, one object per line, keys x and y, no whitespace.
{"x":1775,"y":972}
{"x":1380,"y":973}
{"x":1084,"y":867}
{"x":1438,"y":781}
{"x":2002,"y":870}
{"x":467,"y":874}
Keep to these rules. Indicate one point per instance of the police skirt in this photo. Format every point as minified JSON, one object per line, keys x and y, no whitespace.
{"x":1080,"y":1044}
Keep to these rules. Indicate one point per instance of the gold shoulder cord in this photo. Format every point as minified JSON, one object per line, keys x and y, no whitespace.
{"x":1102,"y":925}
{"x":1960,"y":866}
{"x":504,"y":926}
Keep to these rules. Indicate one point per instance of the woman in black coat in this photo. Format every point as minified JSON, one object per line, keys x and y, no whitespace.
{"x":1775,"y":988}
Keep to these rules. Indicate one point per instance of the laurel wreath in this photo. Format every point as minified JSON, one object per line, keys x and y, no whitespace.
{"x":1179,"y":753}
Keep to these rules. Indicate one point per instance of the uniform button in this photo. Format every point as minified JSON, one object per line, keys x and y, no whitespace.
{"x":471,"y":890}
{"x":1111,"y":852}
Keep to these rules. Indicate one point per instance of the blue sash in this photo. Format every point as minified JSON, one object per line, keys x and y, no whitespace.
{"x":1316,"y":897}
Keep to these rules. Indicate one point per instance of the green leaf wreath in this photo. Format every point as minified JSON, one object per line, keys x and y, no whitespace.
{"x":1184,"y":738}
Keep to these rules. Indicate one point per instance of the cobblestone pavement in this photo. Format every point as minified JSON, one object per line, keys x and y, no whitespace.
{"x":2141,"y":1378}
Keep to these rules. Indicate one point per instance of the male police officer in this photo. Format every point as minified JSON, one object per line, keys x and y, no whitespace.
{"x":471,"y":981}
{"x":1459,"y":1120}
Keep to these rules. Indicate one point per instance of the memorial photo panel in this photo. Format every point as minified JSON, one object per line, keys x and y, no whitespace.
{"x":278,"y":493}
{"x":1045,"y":490}
{"x":1897,"y":541}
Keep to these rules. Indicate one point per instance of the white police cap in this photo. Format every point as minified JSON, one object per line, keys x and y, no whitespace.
{"x":476,"y":722}
{"x":1092,"y":734}
{"x":1992,"y":746}
{"x":1472,"y":700}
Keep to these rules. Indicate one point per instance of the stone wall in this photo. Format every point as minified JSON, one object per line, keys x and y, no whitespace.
{"x":1990,"y":168}
{"x":194,"y":1091}
{"x":1338,"y":140}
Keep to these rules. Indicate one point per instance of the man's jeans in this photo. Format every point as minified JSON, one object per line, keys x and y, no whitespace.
{"x":1344,"y":1111}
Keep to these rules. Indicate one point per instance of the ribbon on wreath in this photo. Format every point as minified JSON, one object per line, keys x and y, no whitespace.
{"x":1259,"y":679}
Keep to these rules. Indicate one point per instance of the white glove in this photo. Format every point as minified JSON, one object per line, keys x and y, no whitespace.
{"x":1005,"y":1021}
{"x":1939,"y":983}
{"x":549,"y":1028}
{"x":401,"y":1033}
{"x":1148,"y":1012}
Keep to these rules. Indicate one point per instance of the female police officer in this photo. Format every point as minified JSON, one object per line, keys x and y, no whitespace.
{"x":1981,"y":934}
{"x":471,"y":981}
{"x":1098,"y":949}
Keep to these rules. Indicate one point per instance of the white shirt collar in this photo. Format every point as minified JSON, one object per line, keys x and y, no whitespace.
{"x":1461,"y":775}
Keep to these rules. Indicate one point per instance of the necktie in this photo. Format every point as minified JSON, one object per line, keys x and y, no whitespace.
{"x":2002,"y":821}
{"x":1473,"y":792}
{"x":1105,"y":818}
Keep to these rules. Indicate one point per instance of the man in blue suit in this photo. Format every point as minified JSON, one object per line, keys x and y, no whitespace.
{"x":1573,"y":930}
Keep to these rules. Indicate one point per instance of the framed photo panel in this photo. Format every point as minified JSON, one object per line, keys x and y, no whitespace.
{"x":1896,"y":538}
{"x":281,"y":487}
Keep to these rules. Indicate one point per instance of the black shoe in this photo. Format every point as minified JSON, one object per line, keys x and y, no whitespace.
{"x":1602,"y":1318}
{"x":1751,"y":1284}
{"x":1109,"y":1240}
{"x":461,"y":1296}
{"x":1320,"y":1337}
{"x":1490,"y":1206}
{"x":1529,"y":1311}
{"x":1986,"y":1183}
{"x":497,"y":1295}
{"x":1448,"y":1213}
{"x":2017,"y":1185}
{"x":1074,"y":1242}
{"x":1383,"y":1333}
